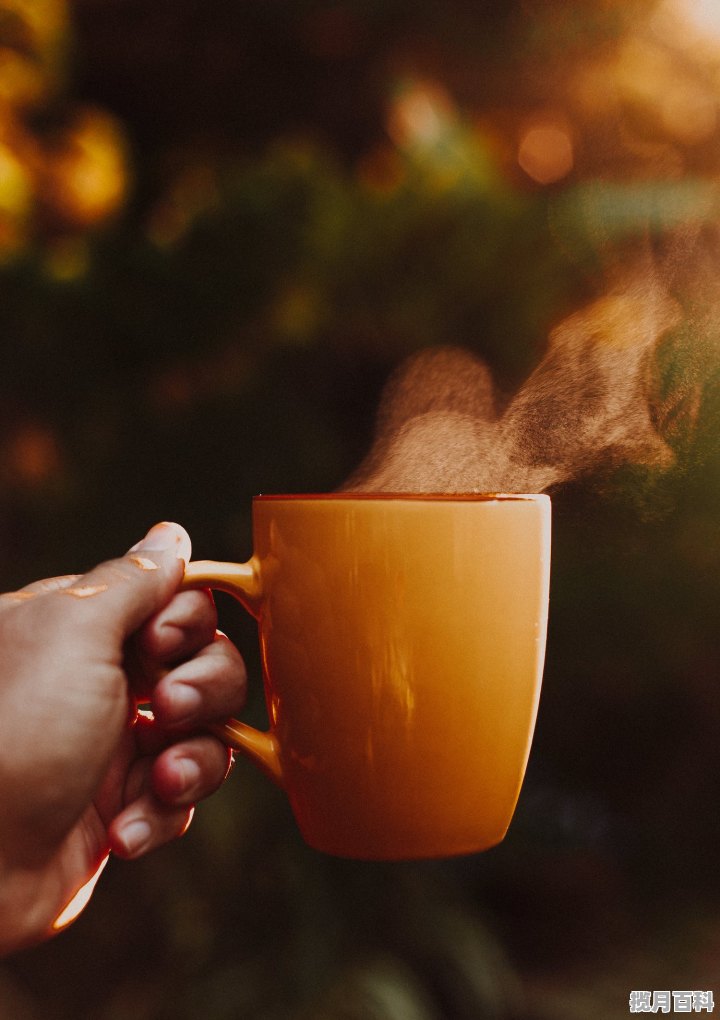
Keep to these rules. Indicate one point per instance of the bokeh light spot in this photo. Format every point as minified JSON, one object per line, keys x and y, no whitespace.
{"x":420,"y":115}
{"x":87,"y":170}
{"x":32,"y":456}
{"x":545,"y":152}
{"x":689,"y":23}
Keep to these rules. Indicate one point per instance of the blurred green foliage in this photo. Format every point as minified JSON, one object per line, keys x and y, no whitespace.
{"x":202,"y":297}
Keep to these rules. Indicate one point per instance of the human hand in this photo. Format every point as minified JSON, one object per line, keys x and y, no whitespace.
{"x":81,"y":773}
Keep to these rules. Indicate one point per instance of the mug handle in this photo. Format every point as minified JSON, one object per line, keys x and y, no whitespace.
{"x":242,"y":581}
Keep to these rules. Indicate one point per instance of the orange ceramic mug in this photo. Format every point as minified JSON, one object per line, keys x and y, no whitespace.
{"x":402,"y":642}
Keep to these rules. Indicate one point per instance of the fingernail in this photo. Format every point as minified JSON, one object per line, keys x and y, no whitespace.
{"x":164,"y":536}
{"x":184,"y":703}
{"x":191,"y":774}
{"x":136,"y":835}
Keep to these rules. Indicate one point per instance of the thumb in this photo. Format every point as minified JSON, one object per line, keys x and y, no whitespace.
{"x":139,"y":584}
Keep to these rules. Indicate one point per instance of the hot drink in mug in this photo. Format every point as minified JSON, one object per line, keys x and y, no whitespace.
{"x":402,"y":641}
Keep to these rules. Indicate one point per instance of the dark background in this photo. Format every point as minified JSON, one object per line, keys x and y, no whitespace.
{"x":222,"y":226}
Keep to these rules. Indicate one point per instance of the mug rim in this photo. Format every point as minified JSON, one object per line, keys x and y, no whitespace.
{"x":430,"y":497}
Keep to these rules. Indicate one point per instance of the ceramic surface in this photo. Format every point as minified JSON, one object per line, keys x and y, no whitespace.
{"x":402,"y":642}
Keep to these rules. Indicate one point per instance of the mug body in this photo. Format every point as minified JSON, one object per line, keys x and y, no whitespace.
{"x":402,"y":642}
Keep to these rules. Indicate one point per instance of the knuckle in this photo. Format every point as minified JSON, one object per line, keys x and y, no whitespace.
{"x":192,"y":614}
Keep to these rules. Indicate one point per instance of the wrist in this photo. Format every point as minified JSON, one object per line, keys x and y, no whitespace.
{"x":35,"y":904}
{"x":29,"y":903}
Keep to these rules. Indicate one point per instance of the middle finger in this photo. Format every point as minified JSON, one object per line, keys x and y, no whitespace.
{"x":206,"y":688}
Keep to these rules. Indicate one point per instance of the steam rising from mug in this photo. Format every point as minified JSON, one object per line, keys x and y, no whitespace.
{"x":586,"y":404}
